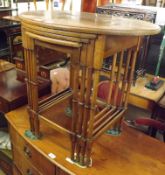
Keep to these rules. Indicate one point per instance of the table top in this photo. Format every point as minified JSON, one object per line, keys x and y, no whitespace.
{"x":90,"y":23}
{"x":141,"y":91}
{"x":130,"y":153}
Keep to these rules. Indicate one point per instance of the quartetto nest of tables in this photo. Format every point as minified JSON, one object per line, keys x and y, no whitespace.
{"x":88,"y":39}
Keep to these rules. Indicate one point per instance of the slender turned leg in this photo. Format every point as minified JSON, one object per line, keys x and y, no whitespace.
{"x":81,"y":100}
{"x":115,"y":97}
{"x":27,"y":67}
{"x":74,"y":78}
{"x":32,"y":85}
{"x":116,"y":94}
{"x":130,"y":78}
{"x":88,"y":88}
{"x":97,"y":65}
{"x":31,"y":119}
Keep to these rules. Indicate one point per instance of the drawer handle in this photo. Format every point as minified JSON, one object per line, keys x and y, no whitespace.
{"x":27,"y":152}
{"x":29,"y":172}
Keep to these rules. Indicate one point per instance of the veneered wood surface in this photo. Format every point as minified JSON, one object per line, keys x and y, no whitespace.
{"x":130,"y":153}
{"x":90,"y":23}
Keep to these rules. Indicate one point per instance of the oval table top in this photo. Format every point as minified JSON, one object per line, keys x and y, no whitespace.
{"x":90,"y":23}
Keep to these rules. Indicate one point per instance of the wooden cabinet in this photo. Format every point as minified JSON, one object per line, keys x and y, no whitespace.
{"x":112,"y":155}
{"x":28,"y":160}
{"x":32,"y":160}
{"x":5,"y":162}
{"x":25,"y":167}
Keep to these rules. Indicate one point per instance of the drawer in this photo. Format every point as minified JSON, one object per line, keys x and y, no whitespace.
{"x":23,"y":165}
{"x":16,"y":171}
{"x":28,"y":153}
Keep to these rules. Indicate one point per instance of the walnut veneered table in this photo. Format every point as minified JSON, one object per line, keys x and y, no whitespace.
{"x":88,"y":39}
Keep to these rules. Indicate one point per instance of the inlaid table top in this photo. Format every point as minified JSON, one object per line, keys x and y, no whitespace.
{"x":90,"y":23}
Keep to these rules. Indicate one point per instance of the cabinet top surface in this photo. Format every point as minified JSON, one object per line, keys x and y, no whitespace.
{"x":130,"y":153}
{"x":90,"y":23}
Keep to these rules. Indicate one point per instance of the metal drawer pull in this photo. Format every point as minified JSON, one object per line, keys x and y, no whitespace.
{"x":27,"y":152}
{"x":29,"y":172}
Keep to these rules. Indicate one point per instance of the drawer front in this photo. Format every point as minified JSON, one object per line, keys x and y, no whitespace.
{"x":24,"y":166}
{"x":28,"y":153}
{"x":16,"y":171}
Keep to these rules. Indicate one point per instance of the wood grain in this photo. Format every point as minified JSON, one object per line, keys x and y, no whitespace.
{"x":130,"y":153}
{"x":90,"y":23}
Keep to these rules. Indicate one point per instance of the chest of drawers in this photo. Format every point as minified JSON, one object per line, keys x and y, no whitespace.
{"x":30,"y":157}
{"x":32,"y":162}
